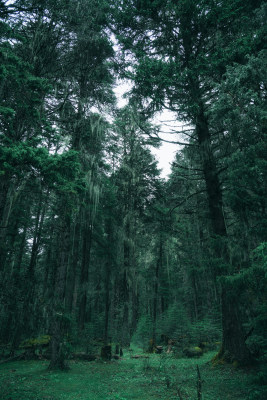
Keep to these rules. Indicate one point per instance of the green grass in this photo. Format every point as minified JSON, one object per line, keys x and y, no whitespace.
{"x":159,"y":377}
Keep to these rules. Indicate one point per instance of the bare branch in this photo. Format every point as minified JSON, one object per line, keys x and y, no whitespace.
{"x":187,"y":168}
{"x":185,"y":200}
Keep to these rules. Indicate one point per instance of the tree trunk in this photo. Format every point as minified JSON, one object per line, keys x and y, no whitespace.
{"x":6,"y":200}
{"x":124,"y":292}
{"x":86,"y":255}
{"x":38,"y":232}
{"x":107,"y":301}
{"x":9,"y":193}
{"x":48,"y":257}
{"x":156,"y":289}
{"x":233,"y":342}
{"x":135,"y":307}
{"x":58,"y":325}
{"x":73,"y":266}
{"x":234,"y":346}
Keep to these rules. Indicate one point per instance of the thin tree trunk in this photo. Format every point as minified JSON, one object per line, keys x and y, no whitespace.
{"x":156,"y":289}
{"x":9,"y":193}
{"x":38,"y":232}
{"x":6,"y":201}
{"x":125,"y":298}
{"x":73,"y":265}
{"x":107,"y":301}
{"x":135,"y":306}
{"x":23,"y":322}
{"x":86,"y":256}
{"x":58,"y":327}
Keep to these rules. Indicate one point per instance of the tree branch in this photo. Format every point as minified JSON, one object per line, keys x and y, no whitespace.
{"x":184,"y":201}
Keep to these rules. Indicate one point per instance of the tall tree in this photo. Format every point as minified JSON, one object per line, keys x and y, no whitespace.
{"x":181,"y":51}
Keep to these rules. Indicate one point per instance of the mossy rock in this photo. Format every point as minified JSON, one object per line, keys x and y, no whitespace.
{"x":193,"y":352}
{"x":235,"y":364}
{"x":209,"y":346}
{"x":41,"y":341}
{"x":205,"y":346}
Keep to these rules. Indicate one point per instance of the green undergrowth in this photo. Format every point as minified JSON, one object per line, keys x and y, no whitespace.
{"x":157,"y":377}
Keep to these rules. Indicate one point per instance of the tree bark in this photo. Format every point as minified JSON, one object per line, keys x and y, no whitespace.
{"x":7,"y":194}
{"x":58,"y":326}
{"x":107,"y":301}
{"x":156,"y":289}
{"x":86,"y":256}
{"x":234,"y":346}
{"x":73,"y":265}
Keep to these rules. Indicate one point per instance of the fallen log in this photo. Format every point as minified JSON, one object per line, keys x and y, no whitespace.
{"x":84,"y":357}
{"x":15,"y":358}
{"x":116,"y":357}
{"x":139,"y":356}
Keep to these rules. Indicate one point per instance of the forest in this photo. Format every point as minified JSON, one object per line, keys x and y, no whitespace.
{"x":112,"y":276}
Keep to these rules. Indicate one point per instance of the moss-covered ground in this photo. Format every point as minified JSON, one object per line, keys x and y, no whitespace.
{"x":158,"y":377}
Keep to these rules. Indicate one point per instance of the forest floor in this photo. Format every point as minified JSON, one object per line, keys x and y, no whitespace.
{"x":157,"y":377}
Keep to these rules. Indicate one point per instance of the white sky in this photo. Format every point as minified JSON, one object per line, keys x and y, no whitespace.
{"x":165,"y":156}
{"x":166,"y":153}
